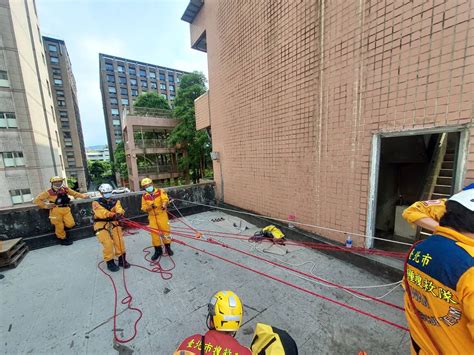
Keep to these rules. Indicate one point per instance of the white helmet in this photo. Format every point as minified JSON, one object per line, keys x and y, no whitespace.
{"x":465,"y":198}
{"x":105,"y":189}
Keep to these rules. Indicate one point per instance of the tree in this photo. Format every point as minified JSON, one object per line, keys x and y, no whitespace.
{"x":100,"y":171}
{"x":196,"y":145}
{"x":120,"y":161}
{"x":151,"y":100}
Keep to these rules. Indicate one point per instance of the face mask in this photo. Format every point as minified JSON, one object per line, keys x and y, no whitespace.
{"x":150,"y":189}
{"x":107,"y":194}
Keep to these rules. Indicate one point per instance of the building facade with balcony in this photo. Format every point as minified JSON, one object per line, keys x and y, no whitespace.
{"x":145,"y":133}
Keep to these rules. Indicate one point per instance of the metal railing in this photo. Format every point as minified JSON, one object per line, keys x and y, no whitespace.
{"x":151,"y":143}
{"x":156,"y":169}
{"x":148,"y":112}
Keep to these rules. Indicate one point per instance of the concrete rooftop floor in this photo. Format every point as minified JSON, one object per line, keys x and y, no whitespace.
{"x":57,"y":301}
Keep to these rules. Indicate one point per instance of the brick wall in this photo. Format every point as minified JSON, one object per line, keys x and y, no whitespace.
{"x":203,"y":118}
{"x":299,"y":88}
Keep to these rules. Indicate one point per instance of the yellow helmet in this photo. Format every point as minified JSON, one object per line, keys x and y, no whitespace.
{"x":56,"y":179}
{"x":146,"y":181}
{"x":225,"y":310}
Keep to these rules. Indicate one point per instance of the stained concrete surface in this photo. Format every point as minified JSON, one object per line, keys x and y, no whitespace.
{"x":57,"y":301}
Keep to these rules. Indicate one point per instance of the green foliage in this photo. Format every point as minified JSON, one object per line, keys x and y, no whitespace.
{"x":151,"y":100}
{"x":100,"y":171}
{"x":120,"y":161}
{"x":196,"y":145}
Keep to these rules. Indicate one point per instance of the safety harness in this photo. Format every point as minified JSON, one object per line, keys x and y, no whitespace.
{"x":108,"y":205}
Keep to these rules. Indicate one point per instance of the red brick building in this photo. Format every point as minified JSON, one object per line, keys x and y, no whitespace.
{"x":337,"y":112}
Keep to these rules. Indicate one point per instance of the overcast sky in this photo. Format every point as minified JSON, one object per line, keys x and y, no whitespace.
{"x":150,"y":31}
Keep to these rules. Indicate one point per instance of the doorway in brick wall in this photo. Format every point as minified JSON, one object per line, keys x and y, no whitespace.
{"x":408,"y":167}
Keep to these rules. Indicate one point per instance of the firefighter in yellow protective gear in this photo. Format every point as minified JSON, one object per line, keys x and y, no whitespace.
{"x":439,"y":283}
{"x":224,"y":319}
{"x":57,"y":201}
{"x":427,"y":214}
{"x":107,"y":212}
{"x":155,"y":202}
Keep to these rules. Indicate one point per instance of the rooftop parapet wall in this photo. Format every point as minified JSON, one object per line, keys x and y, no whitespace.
{"x":33,"y":224}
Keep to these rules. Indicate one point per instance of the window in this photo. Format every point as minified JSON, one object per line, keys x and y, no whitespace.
{"x":115,"y":112}
{"x":123,"y":91}
{"x":68,"y":142}
{"x":132,"y":71}
{"x":20,"y":196}
{"x":143,"y":73}
{"x":71,"y":163}
{"x":117,"y":141}
{"x":120,"y":68}
{"x":116,"y":123}
{"x":134,"y":92}
{"x":117,"y":133}
{"x":162,"y":76}
{"x":61,"y":103}
{"x":7,"y":120}
{"x":52,"y":48}
{"x":67,"y":134}
{"x":144,"y":84}
{"x":153,"y":85}
{"x":178,"y":79}
{"x":112,"y":90}
{"x":4,"y":82}
{"x":13,"y":159}
{"x":54,"y":60}
{"x":65,"y":124}
{"x":49,"y":87}
{"x":63,"y":114}
{"x":133,"y":82}
{"x":59,"y":93}
{"x":52,"y":113}
{"x":124,"y":102}
{"x":152,"y":75}
{"x":171,"y":78}
{"x":111,"y":78}
{"x":109,"y":67}
{"x":172,"y":97}
{"x":123,"y":80}
{"x":163,"y":86}
{"x":171,"y":87}
{"x":58,"y":82}
{"x":56,"y":71}
{"x":113,"y":101}
{"x":164,"y":96}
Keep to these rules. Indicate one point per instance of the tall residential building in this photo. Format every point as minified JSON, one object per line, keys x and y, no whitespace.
{"x":122,"y":80}
{"x":64,"y":93}
{"x":29,"y":140}
{"x":339,"y":113}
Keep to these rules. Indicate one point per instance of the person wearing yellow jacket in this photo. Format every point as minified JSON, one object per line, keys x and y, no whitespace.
{"x":427,"y":214}
{"x":155,"y":202}
{"x":107,"y":212}
{"x":57,"y":201}
{"x":439,"y":283}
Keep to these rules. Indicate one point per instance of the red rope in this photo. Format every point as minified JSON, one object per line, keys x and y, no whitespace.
{"x":301,"y":273}
{"x":126,"y":300}
{"x":296,"y":287}
{"x":283,"y":281}
{"x":312,"y":245}
{"x":279,"y":265}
